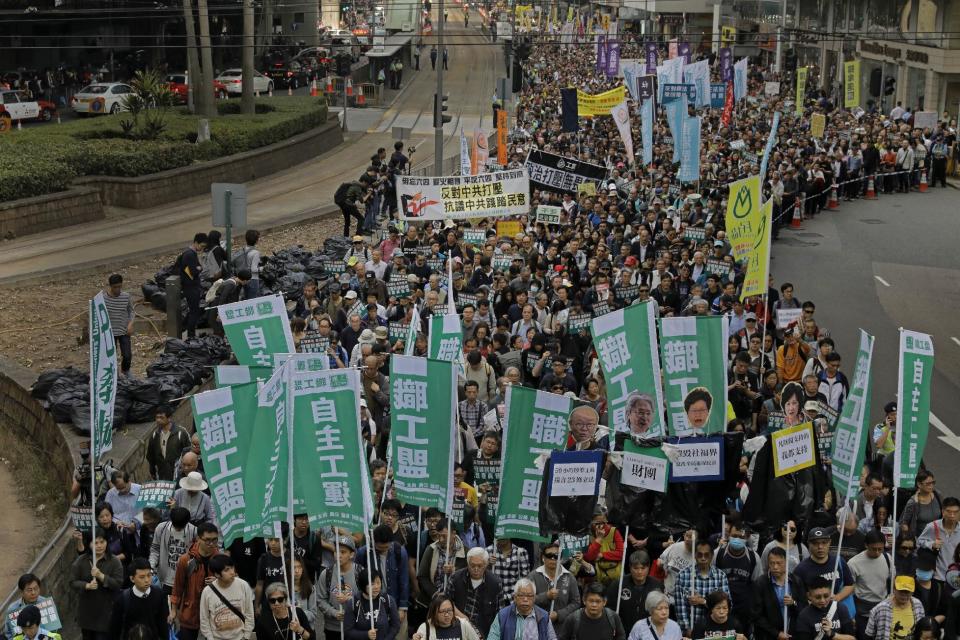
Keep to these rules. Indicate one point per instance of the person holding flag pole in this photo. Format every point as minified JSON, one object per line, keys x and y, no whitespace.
{"x":288,"y":399}
{"x":103,"y":393}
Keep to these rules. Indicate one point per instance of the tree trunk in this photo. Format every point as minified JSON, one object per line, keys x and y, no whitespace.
{"x":246,"y":100}
{"x":207,"y":105}
{"x":193,"y":64}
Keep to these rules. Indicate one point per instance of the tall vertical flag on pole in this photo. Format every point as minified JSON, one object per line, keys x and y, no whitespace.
{"x":851,"y":84}
{"x":740,"y":79}
{"x":913,"y":405}
{"x":268,"y":505}
{"x":257,"y":329}
{"x":694,"y":354}
{"x":757,"y":261}
{"x":621,"y":116}
{"x":103,"y":379}
{"x":801,"y":89}
{"x":848,"y":445}
{"x":771,"y":139}
{"x":423,"y":428}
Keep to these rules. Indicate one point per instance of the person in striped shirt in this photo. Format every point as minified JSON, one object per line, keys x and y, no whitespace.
{"x":120,"y":309}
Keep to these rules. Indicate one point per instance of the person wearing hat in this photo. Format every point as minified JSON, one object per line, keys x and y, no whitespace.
{"x":336,"y":586}
{"x":818,"y":621}
{"x":558,"y":373}
{"x":823,"y":564}
{"x":374,"y":286}
{"x":896,"y":616}
{"x":191,"y":497}
{"x":29,"y":620}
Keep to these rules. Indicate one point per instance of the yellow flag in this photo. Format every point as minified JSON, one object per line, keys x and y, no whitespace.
{"x":744,"y":217}
{"x":851,"y":84}
{"x":757,"y":262}
{"x":599,"y":104}
{"x":801,"y":88}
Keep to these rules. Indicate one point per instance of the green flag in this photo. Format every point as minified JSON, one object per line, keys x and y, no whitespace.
{"x":224,"y":419}
{"x":626,"y":341}
{"x":256,"y":329}
{"x":913,"y":405}
{"x":694,"y":354}
{"x":423,"y":430}
{"x":848,"y":439}
{"x":268,"y":503}
{"x":446,"y":338}
{"x":226,"y":375}
{"x":535,"y":423}
{"x":413,"y":329}
{"x":103,"y":378}
{"x":329,"y":472}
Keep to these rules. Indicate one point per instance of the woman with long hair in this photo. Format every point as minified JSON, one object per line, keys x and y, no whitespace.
{"x":442,"y":622}
{"x":372,"y":609}
{"x":304,"y":593}
{"x":787,"y":533}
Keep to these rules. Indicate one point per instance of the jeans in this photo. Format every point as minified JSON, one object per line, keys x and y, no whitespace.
{"x":192,"y":296}
{"x":350,"y":210}
{"x":126,"y":353}
{"x":251,"y":289}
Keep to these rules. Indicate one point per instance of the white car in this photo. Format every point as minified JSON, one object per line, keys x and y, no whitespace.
{"x":16,"y":105}
{"x":232,"y":79}
{"x":100,"y":97}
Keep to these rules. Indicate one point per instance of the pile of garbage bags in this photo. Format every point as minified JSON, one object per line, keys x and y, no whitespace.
{"x":286,"y":271}
{"x":183,"y":365}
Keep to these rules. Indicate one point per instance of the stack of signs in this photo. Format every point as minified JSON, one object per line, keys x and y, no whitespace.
{"x":486,"y":477}
{"x":694,"y":233}
{"x":82,"y":517}
{"x":333,"y":265}
{"x":463,"y":299}
{"x":548,"y":214}
{"x":502,"y":262}
{"x":601,"y":308}
{"x":435,"y":264}
{"x":155,"y":494}
{"x":626,"y":294}
{"x":476,"y":237}
{"x":697,"y":460}
{"x":550,"y":172}
{"x":313,"y":342}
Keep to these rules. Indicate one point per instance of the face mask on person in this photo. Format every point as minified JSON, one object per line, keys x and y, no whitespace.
{"x":924,"y":576}
{"x":737,"y":544}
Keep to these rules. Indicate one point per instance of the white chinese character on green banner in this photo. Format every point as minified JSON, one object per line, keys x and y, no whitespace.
{"x":549,"y":429}
{"x":218,"y":429}
{"x":613,"y":350}
{"x":410,"y":394}
{"x":680,"y":355}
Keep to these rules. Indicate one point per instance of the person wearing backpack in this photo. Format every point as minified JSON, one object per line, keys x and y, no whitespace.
{"x":226,"y":603}
{"x":742,"y":567}
{"x":225,"y":291}
{"x":347,"y":196}
{"x":189,"y":269}
{"x":248,"y":258}
{"x":214,"y":259}
{"x":193,"y":569}
{"x":594,"y":620}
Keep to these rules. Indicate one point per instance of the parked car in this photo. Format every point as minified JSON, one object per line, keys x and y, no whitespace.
{"x":100,"y":97}
{"x":232,"y":80}
{"x":17,"y":105}
{"x":179,"y":84}
{"x":289,"y":73}
{"x":316,"y":60}
{"x":341,"y":40}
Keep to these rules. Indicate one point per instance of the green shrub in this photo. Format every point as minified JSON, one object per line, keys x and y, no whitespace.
{"x":45,"y":159}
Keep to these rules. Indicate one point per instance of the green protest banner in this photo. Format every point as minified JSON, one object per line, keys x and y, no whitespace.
{"x":397,"y":331}
{"x":313,"y":342}
{"x":577,"y":321}
{"x":155,"y":493}
{"x":644,"y":467}
{"x":536,"y":423}
{"x":697,"y":234}
{"x":268,"y":503}
{"x":854,"y":423}
{"x":49,"y":617}
{"x":103,"y":378}
{"x":423,"y":430}
{"x":256,"y":329}
{"x":626,"y":341}
{"x":694,"y":354}
{"x":476,"y":237}
{"x":913,"y":406}
{"x":398,"y":289}
{"x":330,"y":476}
{"x":225,"y":375}
{"x":446,"y":338}
{"x":224,"y":419}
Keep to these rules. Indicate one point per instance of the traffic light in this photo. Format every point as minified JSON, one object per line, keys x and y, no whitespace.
{"x":889,"y":86}
{"x":876,"y":79}
{"x":439,"y":107}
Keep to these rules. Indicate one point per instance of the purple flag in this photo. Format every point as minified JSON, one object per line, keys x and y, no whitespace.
{"x":613,"y":58}
{"x":601,"y":53}
{"x":684,"y":51}
{"x":651,"y":58}
{"x":726,"y":65}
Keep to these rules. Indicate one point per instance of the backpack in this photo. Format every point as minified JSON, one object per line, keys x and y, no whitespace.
{"x":340,"y":196}
{"x":213,"y":291}
{"x":241,"y":259}
{"x":578,"y":616}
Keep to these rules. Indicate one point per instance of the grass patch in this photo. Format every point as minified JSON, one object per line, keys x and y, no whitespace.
{"x":26,"y":460}
{"x":44,"y":159}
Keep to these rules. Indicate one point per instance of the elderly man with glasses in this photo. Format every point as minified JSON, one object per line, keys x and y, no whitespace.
{"x":523,"y":619}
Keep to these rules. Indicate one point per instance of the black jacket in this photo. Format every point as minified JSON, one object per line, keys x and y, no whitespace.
{"x":130,"y":610}
{"x":767,"y":615}
{"x":489,"y":596}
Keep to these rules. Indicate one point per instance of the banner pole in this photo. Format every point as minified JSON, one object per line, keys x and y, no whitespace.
{"x":288,"y":399}
{"x":383,"y":493}
{"x":373,"y":620}
{"x":693,"y":552}
{"x":786,"y":582}
{"x":623,"y":567}
{"x":893,"y":541}
{"x":419,"y":531}
{"x":843,"y":523}
{"x":446,"y":576}
{"x":93,"y":442}
{"x":336,"y":538}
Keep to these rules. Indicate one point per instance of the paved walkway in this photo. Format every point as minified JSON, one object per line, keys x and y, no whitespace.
{"x":298,"y":194}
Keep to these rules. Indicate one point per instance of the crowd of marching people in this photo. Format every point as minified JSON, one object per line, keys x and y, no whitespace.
{"x":754,"y":558}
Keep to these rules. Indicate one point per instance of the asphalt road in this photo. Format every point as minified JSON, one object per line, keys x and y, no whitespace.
{"x":882,"y":265}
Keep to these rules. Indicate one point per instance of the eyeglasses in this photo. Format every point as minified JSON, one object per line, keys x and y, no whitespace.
{"x":209,"y":540}
{"x":445,"y":612}
{"x":277,"y":600}
{"x":551,"y":556}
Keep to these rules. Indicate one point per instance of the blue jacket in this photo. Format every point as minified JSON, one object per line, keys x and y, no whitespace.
{"x":356,"y":618}
{"x":397,"y":573}
{"x":507,"y":621}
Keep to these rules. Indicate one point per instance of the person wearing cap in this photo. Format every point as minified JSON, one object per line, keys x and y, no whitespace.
{"x":372,"y":285}
{"x":823,"y":564}
{"x":191,"y":497}
{"x":895,"y":617}
{"x":819,"y":620}
{"x":872,"y":569}
{"x":29,"y":620}
{"x":336,"y":586}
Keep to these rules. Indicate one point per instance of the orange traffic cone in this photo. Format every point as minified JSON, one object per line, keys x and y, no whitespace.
{"x":329,"y":87}
{"x":349,"y":82}
{"x":361,"y":99}
{"x":797,"y":213}
{"x":871,"y":191}
{"x":923,"y":180}
{"x":313,"y":87}
{"x":832,"y":203}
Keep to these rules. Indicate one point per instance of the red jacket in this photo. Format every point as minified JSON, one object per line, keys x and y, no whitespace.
{"x":188,"y":583}
{"x":615,"y":554}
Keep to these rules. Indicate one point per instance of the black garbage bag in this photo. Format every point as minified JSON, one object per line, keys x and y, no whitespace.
{"x":66,"y":393}
{"x":336,"y":246}
{"x":218,"y":347}
{"x":566,"y":514}
{"x":149,"y":288}
{"x":158,"y":300}
{"x":141,"y":412}
{"x":41,"y":388}
{"x":193,"y":349}
{"x":80,"y":414}
{"x":170,"y":388}
{"x":292,"y":284}
{"x":172,"y":366}
{"x":146,"y":391}
{"x":160,"y":277}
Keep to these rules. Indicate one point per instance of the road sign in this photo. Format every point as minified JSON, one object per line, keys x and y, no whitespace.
{"x":234,"y":216}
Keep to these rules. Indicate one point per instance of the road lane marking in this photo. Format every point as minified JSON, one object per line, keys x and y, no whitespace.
{"x":882,"y":281}
{"x":948,"y":437}
{"x":955,"y":339}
